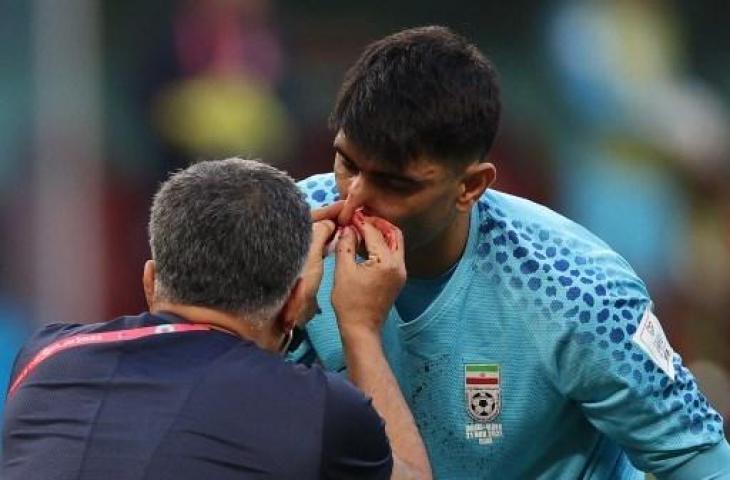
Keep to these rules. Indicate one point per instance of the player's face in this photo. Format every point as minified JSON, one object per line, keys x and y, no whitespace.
{"x":420,"y":199}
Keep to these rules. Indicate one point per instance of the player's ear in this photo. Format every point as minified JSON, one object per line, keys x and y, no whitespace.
{"x":148,"y":282}
{"x":474,"y":182}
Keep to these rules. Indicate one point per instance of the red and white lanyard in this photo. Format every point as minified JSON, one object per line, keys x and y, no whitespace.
{"x":96,"y":338}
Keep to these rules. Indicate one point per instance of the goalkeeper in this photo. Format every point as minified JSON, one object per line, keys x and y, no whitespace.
{"x":525,"y":347}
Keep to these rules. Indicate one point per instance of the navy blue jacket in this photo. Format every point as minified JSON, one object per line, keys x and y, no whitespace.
{"x":185,"y":405}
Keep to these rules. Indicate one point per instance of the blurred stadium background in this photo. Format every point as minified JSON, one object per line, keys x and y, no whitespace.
{"x":617,"y":113}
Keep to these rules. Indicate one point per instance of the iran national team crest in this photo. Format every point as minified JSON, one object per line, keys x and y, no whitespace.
{"x":482,"y":386}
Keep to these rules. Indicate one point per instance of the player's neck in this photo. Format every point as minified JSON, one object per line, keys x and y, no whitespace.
{"x":437,"y":256}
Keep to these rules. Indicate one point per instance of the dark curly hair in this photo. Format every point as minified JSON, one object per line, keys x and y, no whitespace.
{"x":420,"y":91}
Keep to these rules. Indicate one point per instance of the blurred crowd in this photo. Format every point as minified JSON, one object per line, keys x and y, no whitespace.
{"x":617,"y":114}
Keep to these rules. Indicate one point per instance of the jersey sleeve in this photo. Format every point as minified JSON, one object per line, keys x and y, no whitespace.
{"x":615,"y":362}
{"x":319,"y":190}
{"x":354,"y":444}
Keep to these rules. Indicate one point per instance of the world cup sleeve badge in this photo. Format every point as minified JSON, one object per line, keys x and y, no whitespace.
{"x":482,"y":386}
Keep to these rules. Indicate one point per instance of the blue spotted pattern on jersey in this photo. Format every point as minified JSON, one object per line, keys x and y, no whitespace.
{"x":576,"y":296}
{"x":320,"y":190}
{"x":556,"y":309}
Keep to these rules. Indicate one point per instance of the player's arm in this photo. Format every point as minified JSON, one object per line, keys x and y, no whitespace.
{"x":363,"y":294}
{"x":710,"y":464}
{"x":636,"y":390}
{"x":369,"y":370}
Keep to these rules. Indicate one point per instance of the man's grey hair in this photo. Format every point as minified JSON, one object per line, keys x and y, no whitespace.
{"x":229,"y":234}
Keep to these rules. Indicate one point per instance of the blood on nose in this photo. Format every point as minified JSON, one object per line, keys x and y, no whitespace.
{"x":355,"y":200}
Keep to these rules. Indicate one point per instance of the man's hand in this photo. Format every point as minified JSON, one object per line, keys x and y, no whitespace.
{"x":322,"y":232}
{"x":362,"y":295}
{"x":367,"y":290}
{"x":330,"y":212}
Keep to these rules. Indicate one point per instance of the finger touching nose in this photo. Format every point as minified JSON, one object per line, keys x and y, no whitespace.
{"x":348,"y":209}
{"x":355,"y":199}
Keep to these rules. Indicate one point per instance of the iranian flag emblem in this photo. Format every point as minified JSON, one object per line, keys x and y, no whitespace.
{"x":482,"y":388}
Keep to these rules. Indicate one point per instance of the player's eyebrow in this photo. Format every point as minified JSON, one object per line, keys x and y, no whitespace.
{"x":375,"y":172}
{"x":342,"y":152}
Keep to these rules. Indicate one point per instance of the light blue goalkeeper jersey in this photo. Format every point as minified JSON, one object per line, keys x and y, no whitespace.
{"x":541,"y":358}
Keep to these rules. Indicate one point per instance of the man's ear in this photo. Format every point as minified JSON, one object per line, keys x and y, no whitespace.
{"x":475,"y":181}
{"x":293,"y":310}
{"x":148,"y":282}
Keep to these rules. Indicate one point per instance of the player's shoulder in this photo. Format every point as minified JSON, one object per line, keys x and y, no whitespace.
{"x":519,"y":217}
{"x":553,"y":267}
{"x":545,"y":243}
{"x":320,"y":189}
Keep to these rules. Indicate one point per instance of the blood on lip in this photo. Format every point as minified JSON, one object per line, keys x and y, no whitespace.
{"x":385,"y":228}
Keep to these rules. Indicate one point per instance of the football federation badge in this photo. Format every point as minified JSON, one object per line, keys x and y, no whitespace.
{"x":482,"y":386}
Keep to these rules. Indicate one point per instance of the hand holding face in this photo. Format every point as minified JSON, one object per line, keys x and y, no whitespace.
{"x":363,"y":293}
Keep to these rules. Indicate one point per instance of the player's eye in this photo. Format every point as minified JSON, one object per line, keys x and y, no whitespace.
{"x":348,"y":165}
{"x":398,"y":185}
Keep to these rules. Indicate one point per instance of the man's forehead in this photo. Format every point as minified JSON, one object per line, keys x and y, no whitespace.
{"x":419,"y":168}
